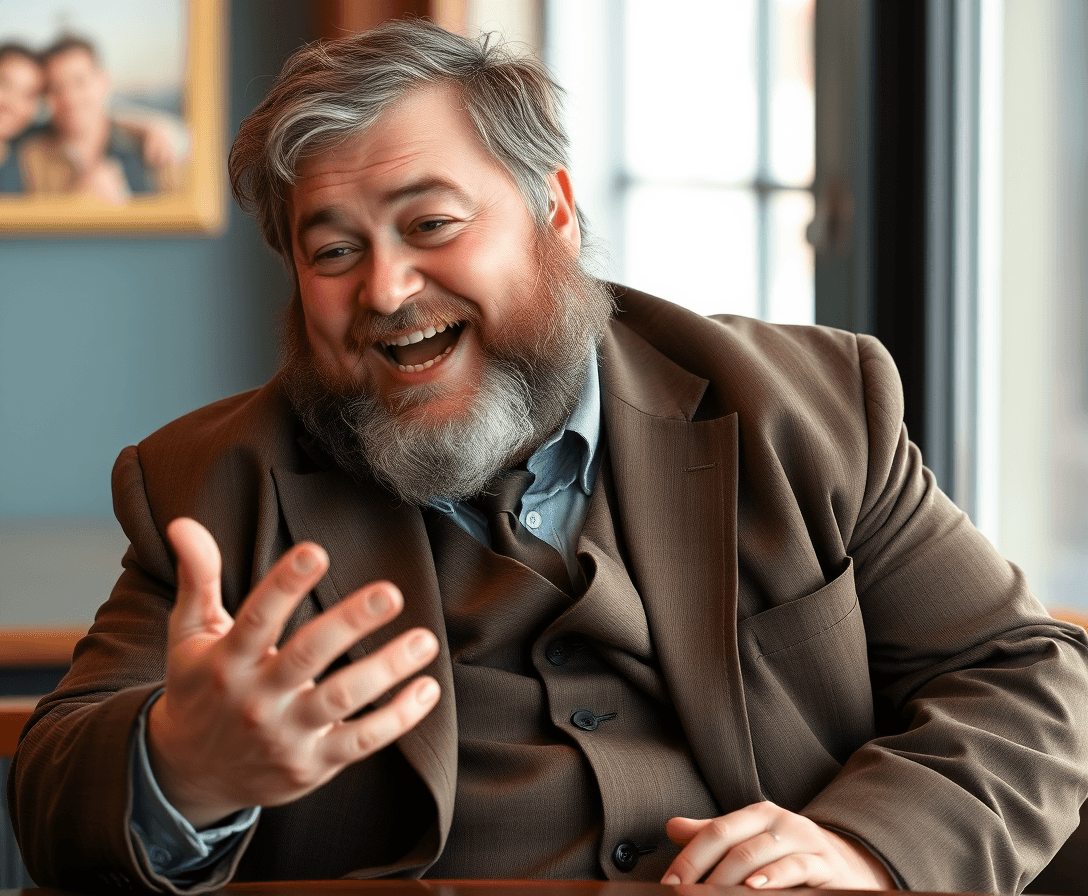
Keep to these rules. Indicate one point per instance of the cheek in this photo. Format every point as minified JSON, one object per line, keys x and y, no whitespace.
{"x":488,"y":269}
{"x":328,"y":307}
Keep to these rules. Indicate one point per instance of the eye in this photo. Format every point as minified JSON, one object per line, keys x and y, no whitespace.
{"x":431,"y":225}
{"x":333,"y":253}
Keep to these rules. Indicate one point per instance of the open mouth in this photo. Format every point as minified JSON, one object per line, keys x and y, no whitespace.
{"x":417,"y":351}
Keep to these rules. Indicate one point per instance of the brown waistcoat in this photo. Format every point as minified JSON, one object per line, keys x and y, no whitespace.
{"x":570,"y":756}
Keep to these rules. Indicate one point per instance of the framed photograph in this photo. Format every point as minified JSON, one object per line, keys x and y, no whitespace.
{"x":112,"y":116}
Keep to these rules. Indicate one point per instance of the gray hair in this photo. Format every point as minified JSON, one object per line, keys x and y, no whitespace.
{"x":331,"y":91}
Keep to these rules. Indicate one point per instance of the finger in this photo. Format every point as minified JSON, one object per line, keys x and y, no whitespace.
{"x":709,"y":846}
{"x":322,"y":640}
{"x":199,"y":607}
{"x":794,"y":870}
{"x":681,"y":830}
{"x":365,"y":680}
{"x":262,"y":616}
{"x":353,"y":741}
{"x":745,"y":859}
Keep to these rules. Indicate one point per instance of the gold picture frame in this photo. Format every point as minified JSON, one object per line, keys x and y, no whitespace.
{"x":199,"y":204}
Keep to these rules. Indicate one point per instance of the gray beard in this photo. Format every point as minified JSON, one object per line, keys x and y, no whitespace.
{"x":526,"y":392}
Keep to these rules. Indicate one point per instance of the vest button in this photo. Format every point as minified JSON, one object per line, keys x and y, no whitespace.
{"x":585,"y":720}
{"x":625,"y":855}
{"x":558,"y":652}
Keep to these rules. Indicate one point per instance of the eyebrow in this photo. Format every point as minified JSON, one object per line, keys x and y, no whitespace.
{"x":422,"y":187}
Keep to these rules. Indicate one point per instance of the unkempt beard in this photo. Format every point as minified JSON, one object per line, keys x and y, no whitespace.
{"x":532,"y":375}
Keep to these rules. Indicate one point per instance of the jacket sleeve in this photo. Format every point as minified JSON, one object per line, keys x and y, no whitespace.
{"x":975,"y":782}
{"x":70,"y":788}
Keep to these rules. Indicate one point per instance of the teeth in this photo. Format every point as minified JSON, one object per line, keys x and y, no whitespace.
{"x":420,"y":335}
{"x":419,"y":368}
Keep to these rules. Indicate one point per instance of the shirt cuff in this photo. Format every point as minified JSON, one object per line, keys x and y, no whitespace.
{"x":174,"y":847}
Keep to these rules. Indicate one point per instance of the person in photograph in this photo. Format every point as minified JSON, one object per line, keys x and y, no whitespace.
{"x":21,"y":84}
{"x":83,"y":149}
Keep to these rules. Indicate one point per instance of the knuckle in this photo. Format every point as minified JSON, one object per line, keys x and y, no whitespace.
{"x":387,"y":668}
{"x":685,"y":868}
{"x":719,"y":828}
{"x":301,"y":654}
{"x":253,"y":615}
{"x":339,"y":699}
{"x":746,"y":853}
{"x":367,"y":740}
{"x":354,"y":615}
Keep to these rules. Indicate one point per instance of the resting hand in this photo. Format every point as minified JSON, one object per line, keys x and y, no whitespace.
{"x":770,"y":848}
{"x":242,"y":723}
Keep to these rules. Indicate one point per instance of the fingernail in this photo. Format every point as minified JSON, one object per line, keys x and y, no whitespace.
{"x":304,"y":562}
{"x":760,"y":880}
{"x":377,"y":603}
{"x":670,"y":880}
{"x":420,"y":645}
{"x":427,"y":693}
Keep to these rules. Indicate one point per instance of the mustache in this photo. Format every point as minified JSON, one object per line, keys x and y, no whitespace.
{"x":370,"y":327}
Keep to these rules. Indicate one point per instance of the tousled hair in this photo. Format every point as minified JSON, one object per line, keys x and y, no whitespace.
{"x":333,"y":90}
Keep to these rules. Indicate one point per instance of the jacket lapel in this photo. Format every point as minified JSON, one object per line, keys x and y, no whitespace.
{"x":370,"y":535}
{"x":676,"y":483}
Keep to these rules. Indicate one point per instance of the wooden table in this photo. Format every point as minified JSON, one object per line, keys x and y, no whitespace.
{"x":468,"y":888}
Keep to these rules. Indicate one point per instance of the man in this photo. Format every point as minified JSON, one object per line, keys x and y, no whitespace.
{"x":84,"y":151}
{"x":763,"y":648}
{"x":20,"y":95}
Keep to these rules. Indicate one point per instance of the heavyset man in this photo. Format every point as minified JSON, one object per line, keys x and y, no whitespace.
{"x":724,"y":626}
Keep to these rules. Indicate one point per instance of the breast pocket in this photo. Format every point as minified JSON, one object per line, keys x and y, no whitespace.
{"x":807,"y":690}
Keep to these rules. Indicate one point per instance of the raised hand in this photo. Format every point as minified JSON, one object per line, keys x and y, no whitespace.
{"x":242,"y":723}
{"x":770,"y":848}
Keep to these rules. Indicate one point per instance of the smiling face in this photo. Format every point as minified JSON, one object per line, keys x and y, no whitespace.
{"x":415,"y":254}
{"x":439,"y":333}
{"x":20,"y":93}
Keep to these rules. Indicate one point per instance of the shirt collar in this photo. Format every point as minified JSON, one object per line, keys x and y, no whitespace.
{"x":575,"y":444}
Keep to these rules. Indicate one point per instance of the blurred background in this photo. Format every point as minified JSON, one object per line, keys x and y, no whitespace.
{"x":913,"y":170}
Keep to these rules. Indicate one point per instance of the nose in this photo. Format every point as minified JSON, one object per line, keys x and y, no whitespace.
{"x":393,"y":279}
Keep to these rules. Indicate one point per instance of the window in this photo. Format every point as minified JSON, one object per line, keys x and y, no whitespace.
{"x":693,"y":146}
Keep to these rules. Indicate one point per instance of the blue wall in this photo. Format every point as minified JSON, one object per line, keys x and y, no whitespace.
{"x":104,"y":340}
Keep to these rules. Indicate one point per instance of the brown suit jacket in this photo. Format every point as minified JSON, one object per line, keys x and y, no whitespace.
{"x":835,"y":634}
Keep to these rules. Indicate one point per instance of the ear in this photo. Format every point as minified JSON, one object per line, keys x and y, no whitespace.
{"x":562,"y":213}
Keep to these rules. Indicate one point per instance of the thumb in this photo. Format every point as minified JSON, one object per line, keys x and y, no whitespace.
{"x":199,"y":604}
{"x":682,"y":831}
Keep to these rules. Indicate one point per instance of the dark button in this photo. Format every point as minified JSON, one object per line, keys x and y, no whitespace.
{"x":587,"y":720}
{"x":625,"y":855}
{"x":558,"y":652}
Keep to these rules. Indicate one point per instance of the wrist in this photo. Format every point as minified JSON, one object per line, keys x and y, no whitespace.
{"x":871,"y":872}
{"x":201,"y":806}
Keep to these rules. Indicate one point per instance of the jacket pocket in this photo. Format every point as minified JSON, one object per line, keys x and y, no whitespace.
{"x":807,"y":689}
